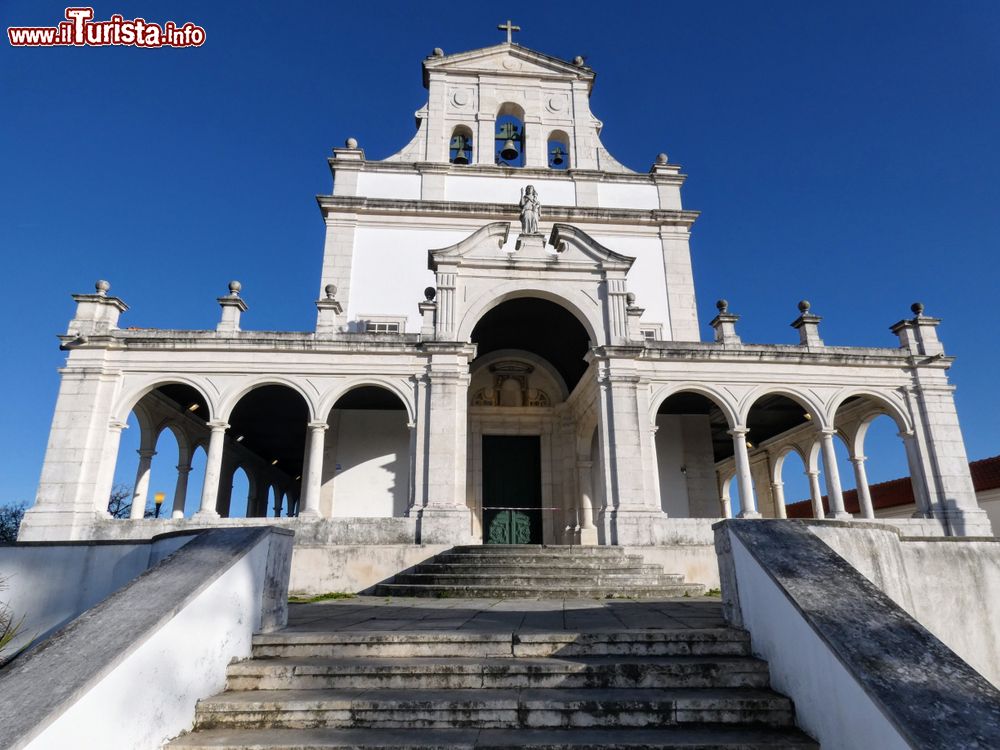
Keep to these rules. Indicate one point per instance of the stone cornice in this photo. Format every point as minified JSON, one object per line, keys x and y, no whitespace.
{"x":503,"y":211}
{"x":827,"y":355}
{"x":490,"y":170}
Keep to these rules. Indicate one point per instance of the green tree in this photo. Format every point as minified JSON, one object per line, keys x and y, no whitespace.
{"x":10,"y":521}
{"x":120,"y":503}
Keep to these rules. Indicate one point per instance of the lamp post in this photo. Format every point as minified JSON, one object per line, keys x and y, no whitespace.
{"x":158,"y":500}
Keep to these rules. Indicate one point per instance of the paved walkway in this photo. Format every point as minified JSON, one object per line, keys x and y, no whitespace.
{"x":370,"y":614}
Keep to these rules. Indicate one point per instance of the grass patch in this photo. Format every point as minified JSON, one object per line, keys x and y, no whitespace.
{"x":329,"y":596}
{"x":714,"y":592}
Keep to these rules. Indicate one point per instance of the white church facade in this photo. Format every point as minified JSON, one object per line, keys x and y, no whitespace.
{"x":506,"y":350}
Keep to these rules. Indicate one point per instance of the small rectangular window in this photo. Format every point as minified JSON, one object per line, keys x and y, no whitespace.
{"x":374,"y":327}
{"x":651,"y":332}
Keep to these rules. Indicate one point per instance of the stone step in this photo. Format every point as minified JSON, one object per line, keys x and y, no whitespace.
{"x":561,"y":579}
{"x":495,"y":567}
{"x":553,"y":550}
{"x":705,"y":737}
{"x":528,"y":558}
{"x":684,"y":642}
{"x":497,"y":591}
{"x":415,"y":673}
{"x":486,"y":709}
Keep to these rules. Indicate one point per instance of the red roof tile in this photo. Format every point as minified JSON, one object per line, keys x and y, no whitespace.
{"x":896,"y":492}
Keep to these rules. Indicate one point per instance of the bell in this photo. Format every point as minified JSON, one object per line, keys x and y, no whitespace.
{"x":462,"y":157}
{"x":557,"y":155}
{"x":509,"y":151}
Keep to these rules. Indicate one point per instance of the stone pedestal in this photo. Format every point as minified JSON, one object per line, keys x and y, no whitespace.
{"x":444,"y":525}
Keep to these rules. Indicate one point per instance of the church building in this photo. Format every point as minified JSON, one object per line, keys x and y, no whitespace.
{"x":506,"y":350}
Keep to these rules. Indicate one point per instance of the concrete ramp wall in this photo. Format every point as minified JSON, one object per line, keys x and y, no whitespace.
{"x":127,"y":673}
{"x":861,"y":671}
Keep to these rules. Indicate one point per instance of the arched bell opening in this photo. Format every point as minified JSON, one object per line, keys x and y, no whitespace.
{"x":460,"y":147}
{"x":267,"y":439}
{"x":366,"y":462}
{"x":557,"y":149}
{"x":509,"y":139}
{"x":148,"y":472}
{"x":530,"y":362}
{"x":692,"y":437}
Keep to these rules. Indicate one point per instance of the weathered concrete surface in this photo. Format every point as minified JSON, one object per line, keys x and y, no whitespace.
{"x":353,"y":568}
{"x":50,"y":583}
{"x":175,"y":627}
{"x":828,"y":631}
{"x":950,"y":585}
{"x":694,"y":561}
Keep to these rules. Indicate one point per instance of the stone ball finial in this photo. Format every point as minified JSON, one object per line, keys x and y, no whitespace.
{"x":331,"y":291}
{"x":430,"y":293}
{"x":804,"y":306}
{"x":102,"y":287}
{"x":234,"y":288}
{"x":630,"y":298}
{"x":917,"y":308}
{"x":661,"y":158}
{"x":437,"y":52}
{"x":351,"y":143}
{"x":578,"y":61}
{"x":722,"y":306}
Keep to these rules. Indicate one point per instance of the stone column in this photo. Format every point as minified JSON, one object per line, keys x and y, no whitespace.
{"x":778,"y":493}
{"x":585,"y":506}
{"x":443,"y":446}
{"x":747,"y":499}
{"x":278,"y":497}
{"x":213,"y":470}
{"x":106,"y":477}
{"x":833,"y":491}
{"x":815,"y":494}
{"x":313,"y":478}
{"x":629,"y":516}
{"x":725,"y":502}
{"x":861,"y":482}
{"x":141,"y":491}
{"x":180,"y":489}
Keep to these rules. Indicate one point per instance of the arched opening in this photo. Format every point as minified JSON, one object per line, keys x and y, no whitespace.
{"x":775,"y":421}
{"x":196,"y":479}
{"x":875,"y":469}
{"x":792,"y":482}
{"x":234,"y":499}
{"x":509,"y":140}
{"x":692,"y":436}
{"x":154,"y":453}
{"x":558,"y":150}
{"x":267,"y":439}
{"x":460,"y":148}
{"x":366,"y":463}
{"x":530,"y":359}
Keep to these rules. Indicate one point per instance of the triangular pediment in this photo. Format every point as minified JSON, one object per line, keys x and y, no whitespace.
{"x":508,"y":59}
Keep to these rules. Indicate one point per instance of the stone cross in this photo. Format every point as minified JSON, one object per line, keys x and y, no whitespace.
{"x":510,"y":29}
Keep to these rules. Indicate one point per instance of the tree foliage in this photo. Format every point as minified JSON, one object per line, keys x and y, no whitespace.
{"x":10,"y":521}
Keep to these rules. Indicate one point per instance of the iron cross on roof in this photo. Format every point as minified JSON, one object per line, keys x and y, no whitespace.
{"x":510,"y":29}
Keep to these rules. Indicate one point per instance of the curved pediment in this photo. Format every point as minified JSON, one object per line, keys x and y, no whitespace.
{"x":568,"y":239}
{"x":493,"y":236}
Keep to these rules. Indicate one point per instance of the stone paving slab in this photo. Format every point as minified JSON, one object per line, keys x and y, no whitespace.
{"x":368,"y":613}
{"x":709,"y":737}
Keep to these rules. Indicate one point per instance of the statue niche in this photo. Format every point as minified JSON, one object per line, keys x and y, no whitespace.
{"x":511,"y":387}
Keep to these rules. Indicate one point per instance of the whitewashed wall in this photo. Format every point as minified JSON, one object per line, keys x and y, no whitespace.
{"x":371,"y":464}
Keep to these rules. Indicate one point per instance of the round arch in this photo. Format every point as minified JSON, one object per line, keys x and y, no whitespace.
{"x":231,"y":398}
{"x":779,"y":462}
{"x":716,"y":397}
{"x":331,"y":397}
{"x":180,"y":435}
{"x":128,"y":401}
{"x":573,"y":302}
{"x":813,"y":407}
{"x":884,"y":401}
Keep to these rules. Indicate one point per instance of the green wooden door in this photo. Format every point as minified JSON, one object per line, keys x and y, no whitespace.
{"x":512,"y":489}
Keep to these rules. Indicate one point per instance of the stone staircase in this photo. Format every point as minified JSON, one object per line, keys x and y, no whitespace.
{"x":538,"y":572}
{"x":690,"y":688}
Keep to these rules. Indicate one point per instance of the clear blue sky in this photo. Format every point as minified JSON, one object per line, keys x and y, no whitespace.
{"x":845,"y":152}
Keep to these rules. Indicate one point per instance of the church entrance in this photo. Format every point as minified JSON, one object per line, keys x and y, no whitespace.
{"x":512,"y":489}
